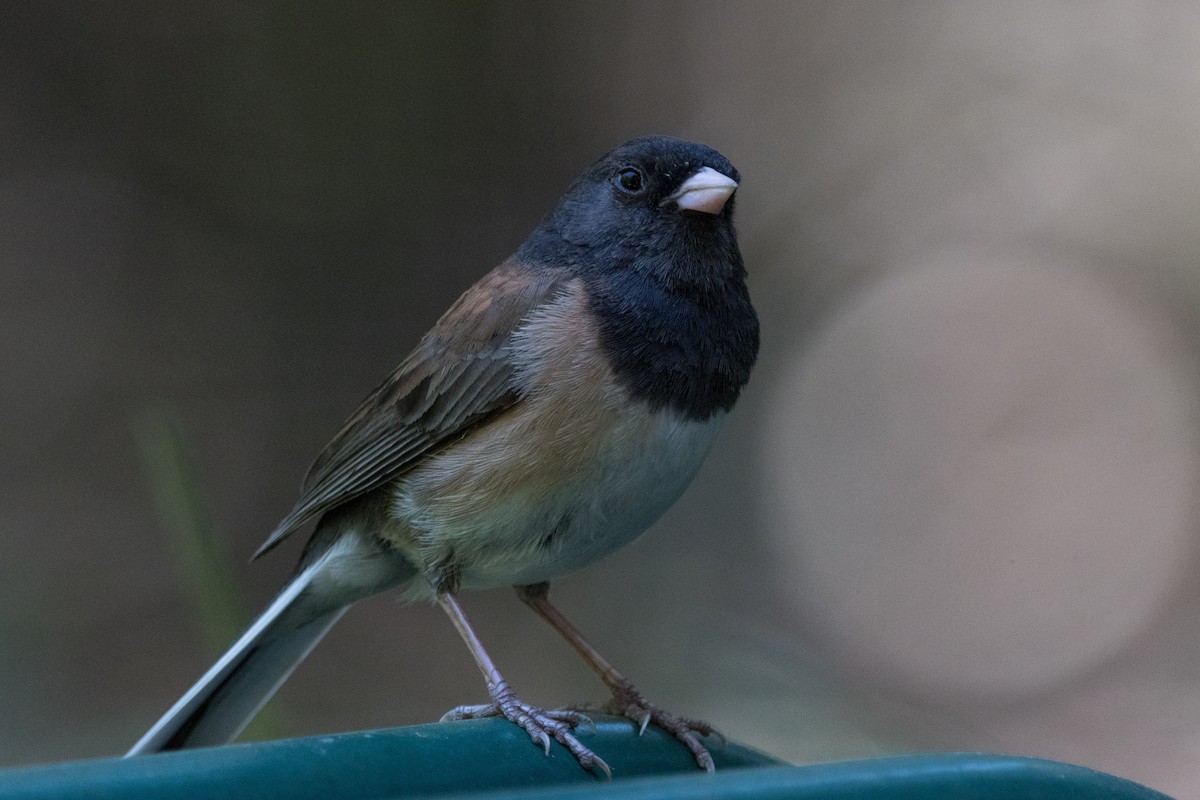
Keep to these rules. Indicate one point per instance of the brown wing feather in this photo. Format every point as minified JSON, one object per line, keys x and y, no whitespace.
{"x":459,"y":375}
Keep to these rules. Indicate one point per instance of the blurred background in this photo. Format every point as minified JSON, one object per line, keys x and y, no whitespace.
{"x":955,"y":509}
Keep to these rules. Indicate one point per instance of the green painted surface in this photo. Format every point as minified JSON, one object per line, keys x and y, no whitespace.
{"x":493,"y":758}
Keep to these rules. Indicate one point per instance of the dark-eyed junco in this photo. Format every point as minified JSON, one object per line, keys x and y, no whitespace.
{"x":548,"y":418}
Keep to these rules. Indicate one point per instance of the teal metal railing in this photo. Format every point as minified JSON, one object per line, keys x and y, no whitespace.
{"x":493,"y":759}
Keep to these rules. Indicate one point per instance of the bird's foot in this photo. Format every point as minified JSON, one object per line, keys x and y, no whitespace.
{"x":541,"y":724}
{"x":628,"y":702}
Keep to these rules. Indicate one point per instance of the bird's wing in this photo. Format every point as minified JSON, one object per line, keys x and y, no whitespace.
{"x":460,"y":375}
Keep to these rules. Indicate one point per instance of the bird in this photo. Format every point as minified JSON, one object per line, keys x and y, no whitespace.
{"x":548,"y":418}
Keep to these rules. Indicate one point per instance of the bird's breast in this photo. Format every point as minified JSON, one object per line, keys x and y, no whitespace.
{"x":570,"y":473}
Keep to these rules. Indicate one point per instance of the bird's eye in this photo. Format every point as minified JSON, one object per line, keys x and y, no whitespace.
{"x":629,"y":180}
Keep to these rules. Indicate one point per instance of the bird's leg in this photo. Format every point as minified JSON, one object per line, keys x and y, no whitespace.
{"x":627,"y":700}
{"x":540,"y":724}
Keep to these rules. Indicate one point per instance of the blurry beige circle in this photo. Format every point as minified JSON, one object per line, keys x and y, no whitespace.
{"x":981,"y":476}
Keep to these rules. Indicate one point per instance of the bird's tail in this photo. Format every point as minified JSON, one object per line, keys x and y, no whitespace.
{"x":227,"y":697}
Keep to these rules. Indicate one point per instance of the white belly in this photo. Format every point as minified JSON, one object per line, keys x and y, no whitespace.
{"x":603,"y":509}
{"x":543,"y":531}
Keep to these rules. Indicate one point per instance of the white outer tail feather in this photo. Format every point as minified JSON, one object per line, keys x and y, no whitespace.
{"x":246,"y":676}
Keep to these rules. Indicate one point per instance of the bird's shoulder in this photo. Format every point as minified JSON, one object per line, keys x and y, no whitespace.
{"x":459,"y":375}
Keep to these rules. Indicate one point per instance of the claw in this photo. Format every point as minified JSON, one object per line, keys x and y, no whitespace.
{"x":629,"y":702}
{"x":540,"y":724}
{"x":469,"y":712}
{"x":578,"y":718}
{"x":713,"y":732}
{"x":603,"y":767}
